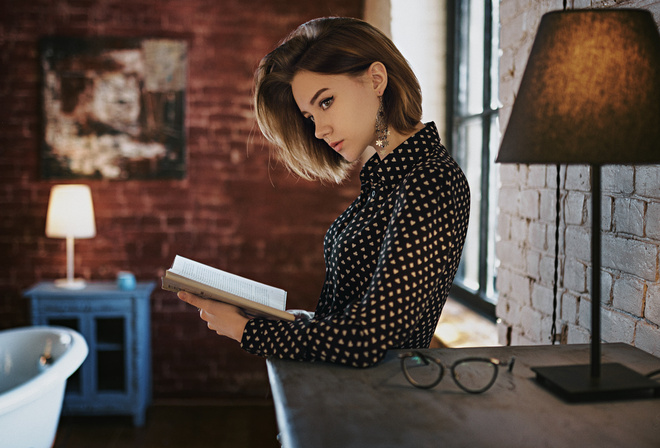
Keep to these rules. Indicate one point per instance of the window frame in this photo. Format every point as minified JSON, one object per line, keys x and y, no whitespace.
{"x":478,"y":300}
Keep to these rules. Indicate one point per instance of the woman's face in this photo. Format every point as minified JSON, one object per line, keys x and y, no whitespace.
{"x":343,"y":109}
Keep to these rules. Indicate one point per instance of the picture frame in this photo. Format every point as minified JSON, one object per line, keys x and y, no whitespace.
{"x":113,"y":108}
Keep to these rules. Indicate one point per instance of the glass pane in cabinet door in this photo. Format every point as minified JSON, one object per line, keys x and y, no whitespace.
{"x":74,"y":382}
{"x":111,"y":371}
{"x":111,"y":354}
{"x":110,"y":332}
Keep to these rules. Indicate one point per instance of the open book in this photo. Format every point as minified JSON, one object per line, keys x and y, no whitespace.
{"x":254,"y":298}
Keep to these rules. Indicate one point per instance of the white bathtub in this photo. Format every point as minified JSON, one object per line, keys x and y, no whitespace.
{"x":31,"y":394}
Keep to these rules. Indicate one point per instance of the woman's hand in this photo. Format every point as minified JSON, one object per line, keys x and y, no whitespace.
{"x":226,"y":320}
{"x":302,"y":314}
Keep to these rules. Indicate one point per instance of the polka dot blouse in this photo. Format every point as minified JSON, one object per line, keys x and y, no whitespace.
{"x":391,"y":257}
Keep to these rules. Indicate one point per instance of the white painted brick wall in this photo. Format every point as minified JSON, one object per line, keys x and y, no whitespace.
{"x":630,"y":276}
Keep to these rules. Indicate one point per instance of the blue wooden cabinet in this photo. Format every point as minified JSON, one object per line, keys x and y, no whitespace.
{"x":116,"y":376}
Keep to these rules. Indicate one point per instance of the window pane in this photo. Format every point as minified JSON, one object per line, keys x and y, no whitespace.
{"x":493,"y":185}
{"x":471,"y":65}
{"x":476,"y":57}
{"x":469,"y":141}
{"x":496,"y":53}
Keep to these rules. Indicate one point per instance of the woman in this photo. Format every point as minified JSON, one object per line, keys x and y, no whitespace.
{"x":333,"y":89}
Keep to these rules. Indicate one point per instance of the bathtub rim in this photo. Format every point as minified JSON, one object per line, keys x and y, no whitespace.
{"x":32,"y":389}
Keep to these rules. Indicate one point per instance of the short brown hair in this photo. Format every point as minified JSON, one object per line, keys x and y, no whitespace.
{"x":331,"y":45}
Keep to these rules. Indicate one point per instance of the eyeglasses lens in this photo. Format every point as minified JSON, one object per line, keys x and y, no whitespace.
{"x":475,"y":376}
{"x":422,"y":372}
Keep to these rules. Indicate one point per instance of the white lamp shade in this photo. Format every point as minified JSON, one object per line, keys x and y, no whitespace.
{"x":70,"y":212}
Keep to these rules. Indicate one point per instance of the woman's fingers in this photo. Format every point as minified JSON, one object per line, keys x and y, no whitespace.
{"x":190,"y":298}
{"x":224,"y":319}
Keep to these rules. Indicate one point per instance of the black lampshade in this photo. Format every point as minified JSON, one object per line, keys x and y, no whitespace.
{"x":590,"y":93}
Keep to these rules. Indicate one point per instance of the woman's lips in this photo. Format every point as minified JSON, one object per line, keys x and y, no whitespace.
{"x":337,"y":145}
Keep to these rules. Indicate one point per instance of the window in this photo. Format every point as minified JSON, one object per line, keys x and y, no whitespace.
{"x":473,"y":38}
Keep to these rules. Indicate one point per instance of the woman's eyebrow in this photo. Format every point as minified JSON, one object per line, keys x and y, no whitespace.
{"x":316,"y":95}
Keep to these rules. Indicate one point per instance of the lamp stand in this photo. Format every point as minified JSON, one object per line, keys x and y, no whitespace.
{"x":596,"y":382}
{"x":69,"y":282}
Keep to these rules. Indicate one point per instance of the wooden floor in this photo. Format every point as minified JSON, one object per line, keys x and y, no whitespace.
{"x":176,"y":425}
{"x":460,"y":327}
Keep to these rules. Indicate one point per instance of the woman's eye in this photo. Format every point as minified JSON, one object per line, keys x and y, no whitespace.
{"x":326,"y":103}
{"x":323,"y":105}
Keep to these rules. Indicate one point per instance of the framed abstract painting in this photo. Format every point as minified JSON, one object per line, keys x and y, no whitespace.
{"x":113,"y":108}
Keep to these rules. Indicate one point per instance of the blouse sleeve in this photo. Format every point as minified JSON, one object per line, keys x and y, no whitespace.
{"x":422,"y":244}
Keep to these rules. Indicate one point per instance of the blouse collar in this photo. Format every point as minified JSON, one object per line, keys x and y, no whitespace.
{"x":393,"y":168}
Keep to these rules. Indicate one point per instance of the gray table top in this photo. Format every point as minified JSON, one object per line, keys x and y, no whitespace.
{"x":325,"y":405}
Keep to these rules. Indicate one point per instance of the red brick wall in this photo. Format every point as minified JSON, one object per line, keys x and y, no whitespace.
{"x":234,"y":210}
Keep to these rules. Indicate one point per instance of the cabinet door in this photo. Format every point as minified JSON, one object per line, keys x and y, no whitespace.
{"x":75,"y":385}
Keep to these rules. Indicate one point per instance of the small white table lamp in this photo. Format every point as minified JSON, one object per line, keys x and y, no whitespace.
{"x":70,"y":215}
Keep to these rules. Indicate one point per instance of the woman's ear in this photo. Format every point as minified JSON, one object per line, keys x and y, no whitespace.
{"x":378,"y":75}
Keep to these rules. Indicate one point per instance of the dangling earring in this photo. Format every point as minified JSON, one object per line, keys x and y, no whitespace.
{"x":382,"y":130}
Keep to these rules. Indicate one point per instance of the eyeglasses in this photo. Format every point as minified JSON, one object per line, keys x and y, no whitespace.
{"x":473,"y":375}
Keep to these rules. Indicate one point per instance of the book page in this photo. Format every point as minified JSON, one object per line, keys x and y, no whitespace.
{"x":233,"y":284}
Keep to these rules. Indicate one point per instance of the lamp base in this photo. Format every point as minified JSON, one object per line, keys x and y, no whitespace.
{"x":65,"y":283}
{"x":616,"y":382}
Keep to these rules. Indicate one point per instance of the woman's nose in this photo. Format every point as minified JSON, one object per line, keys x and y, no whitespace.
{"x":321,"y":129}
